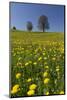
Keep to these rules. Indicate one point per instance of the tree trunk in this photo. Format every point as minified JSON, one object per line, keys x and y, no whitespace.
{"x":43,"y":27}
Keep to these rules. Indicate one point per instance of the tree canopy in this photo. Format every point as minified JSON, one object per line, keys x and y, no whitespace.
{"x":43,"y":23}
{"x":29,"y":26}
{"x":14,"y":28}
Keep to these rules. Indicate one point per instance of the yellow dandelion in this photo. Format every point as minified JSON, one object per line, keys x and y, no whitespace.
{"x":39,"y":58}
{"x":19,"y":58}
{"x":18,"y":75}
{"x":19,"y":64}
{"x":35,"y":63}
{"x":47,"y":93}
{"x":61,"y":92}
{"x":53,"y":58}
{"x":46,"y":67}
{"x":46,"y":80}
{"x":29,"y":80}
{"x":15,"y":89}
{"x":16,"y":86}
{"x":57,"y":69}
{"x":26,"y":64}
{"x":45,"y":58}
{"x":55,"y":81}
{"x":22,"y":48}
{"x":32,"y":87}
{"x":45,"y":74}
{"x":43,"y":53}
{"x":30,"y":92}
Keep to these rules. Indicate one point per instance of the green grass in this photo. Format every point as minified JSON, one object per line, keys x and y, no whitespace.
{"x":37,"y":37}
{"x":36,"y":56}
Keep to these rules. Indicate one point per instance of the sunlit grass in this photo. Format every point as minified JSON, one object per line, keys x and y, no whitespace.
{"x":37,"y":64}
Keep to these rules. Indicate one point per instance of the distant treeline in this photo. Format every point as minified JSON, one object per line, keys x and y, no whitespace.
{"x":43,"y":24}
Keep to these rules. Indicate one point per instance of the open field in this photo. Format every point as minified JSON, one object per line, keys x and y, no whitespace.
{"x":37,"y":63}
{"x":37,"y":37}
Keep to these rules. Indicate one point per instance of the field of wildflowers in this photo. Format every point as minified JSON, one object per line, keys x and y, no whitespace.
{"x":37,"y":68}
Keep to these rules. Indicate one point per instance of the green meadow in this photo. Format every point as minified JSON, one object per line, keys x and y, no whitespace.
{"x":37,"y":63}
{"x":37,"y":37}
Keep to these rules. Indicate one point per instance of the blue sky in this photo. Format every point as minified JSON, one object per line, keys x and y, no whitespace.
{"x":22,"y":12}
